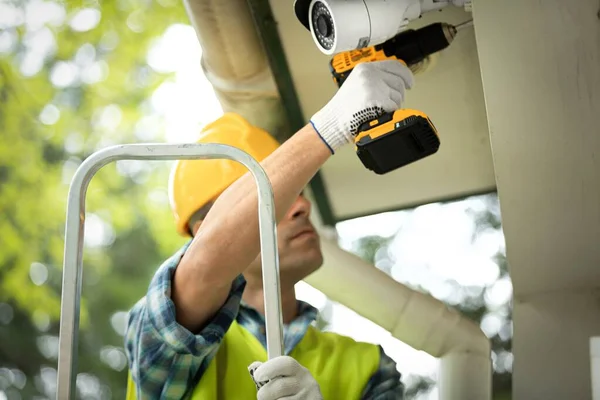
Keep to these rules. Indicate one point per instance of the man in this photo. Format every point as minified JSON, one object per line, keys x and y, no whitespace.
{"x":200,"y":327}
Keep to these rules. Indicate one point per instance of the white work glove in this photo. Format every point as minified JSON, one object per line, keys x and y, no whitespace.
{"x":284,"y":378}
{"x":371,"y":89}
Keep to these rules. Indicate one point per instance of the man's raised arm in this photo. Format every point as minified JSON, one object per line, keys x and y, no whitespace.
{"x":228,"y":239}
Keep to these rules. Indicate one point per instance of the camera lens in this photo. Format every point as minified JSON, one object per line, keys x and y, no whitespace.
{"x":323,"y":27}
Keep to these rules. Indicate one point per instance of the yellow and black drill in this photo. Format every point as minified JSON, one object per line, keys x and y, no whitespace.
{"x":404,"y":136}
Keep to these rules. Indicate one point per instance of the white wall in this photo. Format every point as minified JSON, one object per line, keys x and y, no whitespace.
{"x":540,"y":65}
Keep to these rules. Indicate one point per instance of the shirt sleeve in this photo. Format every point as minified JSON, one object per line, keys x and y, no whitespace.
{"x":166,"y":359}
{"x":385,"y":384}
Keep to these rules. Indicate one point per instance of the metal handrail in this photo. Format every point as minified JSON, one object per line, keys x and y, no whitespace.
{"x":73,"y":251}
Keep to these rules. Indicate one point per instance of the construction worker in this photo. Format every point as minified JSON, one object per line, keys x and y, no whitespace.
{"x":200,"y":327}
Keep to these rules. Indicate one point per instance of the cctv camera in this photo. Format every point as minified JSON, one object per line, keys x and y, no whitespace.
{"x":341,"y":25}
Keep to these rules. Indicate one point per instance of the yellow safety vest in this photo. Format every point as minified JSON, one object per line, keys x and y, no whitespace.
{"x":341,"y":366}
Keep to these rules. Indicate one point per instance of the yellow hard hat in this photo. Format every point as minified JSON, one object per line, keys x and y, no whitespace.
{"x":194,"y":183}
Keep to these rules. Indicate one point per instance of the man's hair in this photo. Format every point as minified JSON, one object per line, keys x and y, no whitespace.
{"x":199,"y":215}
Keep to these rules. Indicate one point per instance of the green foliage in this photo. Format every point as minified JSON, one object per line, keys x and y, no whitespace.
{"x":66,"y":90}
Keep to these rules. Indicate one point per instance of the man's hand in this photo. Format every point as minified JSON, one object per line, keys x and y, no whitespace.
{"x":371,"y":90}
{"x":284,"y":377}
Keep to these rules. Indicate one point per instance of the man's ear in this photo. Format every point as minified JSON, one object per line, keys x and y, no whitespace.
{"x":196,"y":219}
{"x":196,"y":226}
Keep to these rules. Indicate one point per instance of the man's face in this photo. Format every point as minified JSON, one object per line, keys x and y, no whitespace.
{"x":299,"y":246}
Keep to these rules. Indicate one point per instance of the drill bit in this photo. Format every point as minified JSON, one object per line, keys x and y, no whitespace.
{"x":463,"y":25}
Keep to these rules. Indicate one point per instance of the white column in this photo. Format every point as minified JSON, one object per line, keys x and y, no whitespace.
{"x":595,"y":363}
{"x":540,"y":65}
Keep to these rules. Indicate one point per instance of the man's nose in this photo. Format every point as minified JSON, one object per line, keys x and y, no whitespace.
{"x":300,"y":208}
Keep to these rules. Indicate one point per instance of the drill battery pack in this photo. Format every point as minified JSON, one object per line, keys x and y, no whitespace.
{"x":395,"y":140}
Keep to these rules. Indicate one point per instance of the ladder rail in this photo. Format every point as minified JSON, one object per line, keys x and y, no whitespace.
{"x":74,"y":234}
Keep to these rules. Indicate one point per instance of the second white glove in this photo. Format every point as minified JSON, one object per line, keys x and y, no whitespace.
{"x":371,"y":89}
{"x":284,"y":377}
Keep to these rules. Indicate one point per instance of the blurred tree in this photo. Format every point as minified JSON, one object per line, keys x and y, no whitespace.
{"x":73,"y":79}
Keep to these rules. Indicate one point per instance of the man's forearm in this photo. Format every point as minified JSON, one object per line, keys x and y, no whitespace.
{"x":228,"y":239}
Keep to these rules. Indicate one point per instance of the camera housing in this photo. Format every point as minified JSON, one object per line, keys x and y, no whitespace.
{"x":342,"y":25}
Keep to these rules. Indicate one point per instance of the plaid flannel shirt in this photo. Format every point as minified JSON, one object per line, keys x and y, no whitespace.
{"x":166,"y":360}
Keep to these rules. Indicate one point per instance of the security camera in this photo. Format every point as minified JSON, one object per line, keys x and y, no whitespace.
{"x":342,"y":25}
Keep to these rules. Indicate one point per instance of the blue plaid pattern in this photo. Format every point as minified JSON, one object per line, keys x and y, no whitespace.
{"x":166,"y":360}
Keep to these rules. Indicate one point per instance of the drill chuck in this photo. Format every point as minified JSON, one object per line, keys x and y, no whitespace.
{"x":413,"y":46}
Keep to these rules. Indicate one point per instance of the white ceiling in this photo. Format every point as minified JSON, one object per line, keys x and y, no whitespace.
{"x":450,"y":92}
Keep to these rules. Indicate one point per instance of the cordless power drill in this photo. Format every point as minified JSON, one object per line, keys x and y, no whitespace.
{"x":404,"y":136}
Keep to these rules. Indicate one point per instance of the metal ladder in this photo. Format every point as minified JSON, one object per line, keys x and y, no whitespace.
{"x":72,"y":264}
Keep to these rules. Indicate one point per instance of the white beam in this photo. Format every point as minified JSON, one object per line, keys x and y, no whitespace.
{"x":540,"y":66}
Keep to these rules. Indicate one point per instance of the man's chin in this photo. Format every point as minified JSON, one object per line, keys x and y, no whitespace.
{"x":316,"y":262}
{"x":311,"y":261}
